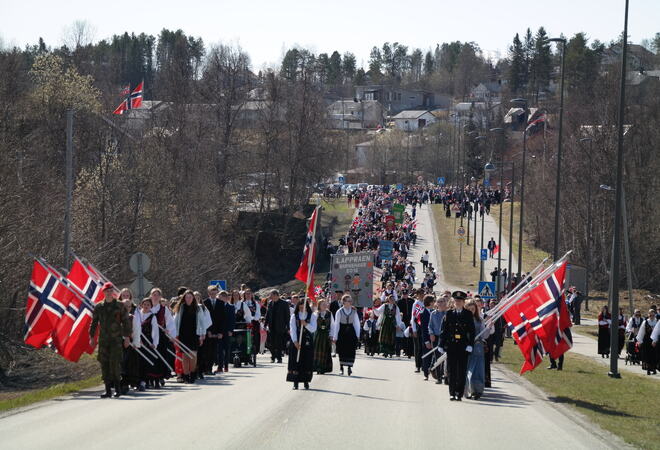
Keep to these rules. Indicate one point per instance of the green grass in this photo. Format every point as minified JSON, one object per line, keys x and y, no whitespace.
{"x":627,"y":407}
{"x":48,"y":393}
{"x":531,"y":256}
{"x":458,"y":270}
{"x":336,"y":217}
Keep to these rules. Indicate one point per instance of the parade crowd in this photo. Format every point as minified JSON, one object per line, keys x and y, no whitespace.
{"x":144,"y":342}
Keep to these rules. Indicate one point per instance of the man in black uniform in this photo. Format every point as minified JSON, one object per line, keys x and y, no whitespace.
{"x":405,"y":305}
{"x":277,"y":324}
{"x":457,"y":339}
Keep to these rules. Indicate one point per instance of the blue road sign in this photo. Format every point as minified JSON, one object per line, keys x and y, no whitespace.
{"x":441,"y":181}
{"x":399,"y":186}
{"x":486,"y":182}
{"x":385,"y":250}
{"x":484,"y":254}
{"x":487,"y":289}
{"x":222,"y":284}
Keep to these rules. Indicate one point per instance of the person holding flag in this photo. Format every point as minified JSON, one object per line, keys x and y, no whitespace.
{"x":111,"y":319}
{"x":301,"y":366}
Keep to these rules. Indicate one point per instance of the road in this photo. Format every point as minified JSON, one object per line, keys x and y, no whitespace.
{"x":384,"y":405}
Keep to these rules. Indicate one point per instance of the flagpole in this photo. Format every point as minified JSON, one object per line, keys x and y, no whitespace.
{"x":310,"y":272}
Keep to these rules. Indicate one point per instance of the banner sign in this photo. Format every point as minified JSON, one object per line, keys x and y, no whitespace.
{"x":353,"y":273}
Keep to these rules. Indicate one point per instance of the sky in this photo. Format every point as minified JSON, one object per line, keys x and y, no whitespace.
{"x":266,"y":28}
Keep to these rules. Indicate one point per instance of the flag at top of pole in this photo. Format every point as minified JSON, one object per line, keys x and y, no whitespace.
{"x":305,"y":272}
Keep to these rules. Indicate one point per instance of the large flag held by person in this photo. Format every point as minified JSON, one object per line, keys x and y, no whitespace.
{"x":45,"y":305}
{"x":132,"y":101}
{"x":305,"y":272}
{"x":540,"y":321}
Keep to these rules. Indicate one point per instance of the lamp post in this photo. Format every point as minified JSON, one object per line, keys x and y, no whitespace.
{"x":499,"y":237}
{"x":522,"y":188}
{"x":614,"y":269}
{"x":589,"y":183}
{"x":477,"y":140}
{"x":555,"y":251}
{"x":488,"y":169}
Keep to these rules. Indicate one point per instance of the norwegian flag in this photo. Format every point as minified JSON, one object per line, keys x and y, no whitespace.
{"x":528,"y":342}
{"x":125,"y":90}
{"x":417,"y":312}
{"x":81,"y":310}
{"x":549,"y":314}
{"x":539,"y":120}
{"x":45,"y":305}
{"x":132,"y":101}
{"x":63,"y":330}
{"x":305,"y":272}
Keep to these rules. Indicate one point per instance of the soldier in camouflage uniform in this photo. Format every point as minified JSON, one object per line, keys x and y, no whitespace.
{"x":113,"y":322}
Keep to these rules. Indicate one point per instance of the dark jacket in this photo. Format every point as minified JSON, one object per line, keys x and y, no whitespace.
{"x":217,"y":315}
{"x":424,"y":318}
{"x":457,"y":330}
{"x":277,"y":317}
{"x":229,"y":319}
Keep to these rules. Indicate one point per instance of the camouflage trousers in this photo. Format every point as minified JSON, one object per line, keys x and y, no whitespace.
{"x":110,"y":356}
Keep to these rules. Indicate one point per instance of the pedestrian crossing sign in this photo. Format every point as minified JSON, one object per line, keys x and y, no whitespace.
{"x":484,"y":254}
{"x":487,"y":289}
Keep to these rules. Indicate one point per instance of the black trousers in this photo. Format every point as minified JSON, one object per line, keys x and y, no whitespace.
{"x":456,"y":370}
{"x":417,"y":343}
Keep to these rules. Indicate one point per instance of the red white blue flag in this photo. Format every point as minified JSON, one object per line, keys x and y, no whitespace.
{"x":132,"y":101}
{"x":45,"y":305}
{"x":305,"y":271}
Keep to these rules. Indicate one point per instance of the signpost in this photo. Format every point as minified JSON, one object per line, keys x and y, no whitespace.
{"x":222,"y":284}
{"x":486,"y":183}
{"x":441,"y":181}
{"x":484,"y":254}
{"x":487,"y":290}
{"x":460,"y":232}
{"x":353,"y":273}
{"x":139,"y":263}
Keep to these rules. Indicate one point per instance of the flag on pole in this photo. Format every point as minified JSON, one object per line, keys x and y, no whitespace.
{"x":496,"y":249}
{"x":132,"y":101}
{"x":305,"y":271}
{"x":45,"y":305}
{"x":528,"y":342}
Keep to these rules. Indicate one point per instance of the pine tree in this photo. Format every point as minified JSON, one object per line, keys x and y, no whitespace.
{"x":528,"y":49}
{"x":541,"y":62}
{"x":348,"y":67}
{"x":334,"y":69}
{"x":429,"y":63}
{"x":517,"y":67}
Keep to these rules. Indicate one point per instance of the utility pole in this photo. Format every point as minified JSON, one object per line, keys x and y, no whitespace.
{"x":69,"y":187}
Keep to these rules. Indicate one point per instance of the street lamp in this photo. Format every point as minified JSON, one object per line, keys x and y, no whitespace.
{"x":488,"y":169}
{"x":589,"y":183}
{"x":522,"y":188}
{"x":561,"y":123}
{"x":499,"y":237}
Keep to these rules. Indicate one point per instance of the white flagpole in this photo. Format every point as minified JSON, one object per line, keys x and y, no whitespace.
{"x":310,"y":272}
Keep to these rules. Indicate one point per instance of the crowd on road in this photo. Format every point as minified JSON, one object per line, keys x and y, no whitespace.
{"x":192,"y":336}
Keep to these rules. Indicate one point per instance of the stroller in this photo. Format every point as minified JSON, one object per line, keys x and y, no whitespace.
{"x":632,"y":350}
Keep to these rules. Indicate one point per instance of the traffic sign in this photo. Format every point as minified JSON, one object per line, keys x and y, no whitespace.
{"x":222,"y":284}
{"x":460,"y":231}
{"x":441,"y":181}
{"x":486,"y":182}
{"x":140,"y":288}
{"x":139,"y":262}
{"x":487,"y":289}
{"x":461,"y":239}
{"x":484,"y":254}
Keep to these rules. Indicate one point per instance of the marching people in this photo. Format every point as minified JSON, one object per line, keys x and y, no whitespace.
{"x":166,"y":330}
{"x":277,"y":321}
{"x":227,"y":331}
{"x":389,"y":319}
{"x":405,"y":305}
{"x":457,"y":339}
{"x":345,"y":333}
{"x":145,"y":324}
{"x":622,"y":330}
{"x":255,"y":324}
{"x":211,"y":347}
{"x":190,"y":326}
{"x":647,"y":345}
{"x":111,"y":319}
{"x":604,"y":322}
{"x":323,"y":338}
{"x":371,"y":334}
{"x":423,"y":333}
{"x":476,"y":376}
{"x":415,"y":326}
{"x":435,"y":329}
{"x":300,"y":368}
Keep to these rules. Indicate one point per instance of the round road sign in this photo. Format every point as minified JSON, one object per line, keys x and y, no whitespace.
{"x":139,"y":259}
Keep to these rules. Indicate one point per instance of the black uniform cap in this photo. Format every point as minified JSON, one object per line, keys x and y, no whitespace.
{"x":459,"y":295}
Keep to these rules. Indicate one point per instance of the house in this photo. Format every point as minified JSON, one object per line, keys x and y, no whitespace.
{"x":396,"y":99}
{"x":413,"y":120}
{"x":356,"y":114}
{"x":639,"y":58}
{"x":487,"y":91}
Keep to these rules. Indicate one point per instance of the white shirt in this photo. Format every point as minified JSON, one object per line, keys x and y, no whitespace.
{"x":293,"y":325}
{"x":169,"y":319}
{"x":634,"y":323}
{"x":386,"y":293}
{"x":380,"y":312}
{"x":257,"y":309}
{"x":655,"y":335}
{"x":642,"y":330}
{"x":247,"y":314}
{"x":346,"y":314}
{"x":138,"y":318}
{"x":418,"y":305}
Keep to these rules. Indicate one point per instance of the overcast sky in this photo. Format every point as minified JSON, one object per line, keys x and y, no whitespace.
{"x":264,"y":28}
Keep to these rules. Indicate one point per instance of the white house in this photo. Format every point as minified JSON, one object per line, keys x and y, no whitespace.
{"x":413,"y":120}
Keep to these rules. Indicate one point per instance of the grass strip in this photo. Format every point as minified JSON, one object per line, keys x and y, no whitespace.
{"x":48,"y":393}
{"x":627,"y":407}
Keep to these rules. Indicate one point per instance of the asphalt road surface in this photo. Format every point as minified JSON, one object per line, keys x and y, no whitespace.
{"x":383,"y":405}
